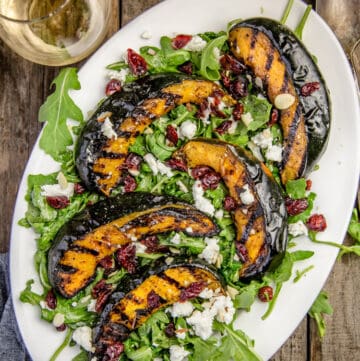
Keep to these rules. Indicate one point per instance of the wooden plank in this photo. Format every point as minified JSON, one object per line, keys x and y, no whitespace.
{"x":341,"y":341}
{"x":132,"y":8}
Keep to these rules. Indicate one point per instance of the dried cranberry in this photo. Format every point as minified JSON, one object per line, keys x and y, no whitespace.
{"x":229,"y":203}
{"x":216,"y":111}
{"x":170,"y":330}
{"x":114,"y":351}
{"x":265,"y":294}
{"x":308,"y":184}
{"x":152,"y":244}
{"x":132,"y":161}
{"x":136,"y":63}
{"x":153,"y":300}
{"x":223,"y":127}
{"x":295,"y":206}
{"x":308,"y":88}
{"x":113,"y":86}
{"x":107,"y":263}
{"x":242,"y":252}
{"x":58,"y":202}
{"x":125,"y":255}
{"x":102,"y":300}
{"x":239,"y":87}
{"x":171,"y":134}
{"x":274,"y":117}
{"x":317,"y":223}
{"x":238,"y":111}
{"x":50,"y":299}
{"x":200,"y":171}
{"x":186,"y":68}
{"x":180,"y":41}
{"x":192,"y":291}
{"x":210,"y":180}
{"x":129,"y":184}
{"x":99,"y":288}
{"x":225,"y":78}
{"x":78,"y":188}
{"x":229,"y":62}
{"x":177,"y":164}
{"x":61,"y":327}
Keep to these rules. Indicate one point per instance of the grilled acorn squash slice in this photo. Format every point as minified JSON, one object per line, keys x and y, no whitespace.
{"x":99,"y":159}
{"x":261,"y":223}
{"x":258,"y":50}
{"x":138,"y":297}
{"x":102,"y":228}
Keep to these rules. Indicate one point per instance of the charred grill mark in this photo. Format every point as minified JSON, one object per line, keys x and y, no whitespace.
{"x":285,"y":84}
{"x":253,"y":40}
{"x":81,"y":249}
{"x":270,"y":58}
{"x":62,"y":268}
{"x":258,"y":212}
{"x":289,"y":141}
{"x":170,"y":99}
{"x":169,"y":280}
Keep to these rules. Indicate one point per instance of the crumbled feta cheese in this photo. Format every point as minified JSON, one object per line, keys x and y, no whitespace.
{"x":263,"y":139}
{"x":202,"y":203}
{"x":58,"y":320}
{"x":211,"y":251}
{"x":187,"y":130}
{"x":202,"y":323}
{"x":82,"y":336}
{"x":91,"y":306}
{"x":140,"y":248}
{"x":176,"y":239}
{"x":206,"y":293}
{"x":219,"y":214}
{"x":95,"y":359}
{"x":118,"y":74}
{"x":182,"y":186}
{"x":189,"y":230}
{"x":246,"y":195}
{"x":158,"y":359}
{"x":181,"y":333}
{"x":55,"y":190}
{"x":169,"y":260}
{"x":255,"y":151}
{"x":178,"y":353}
{"x":146,"y":35}
{"x":181,"y":309}
{"x":284,"y":101}
{"x":232,"y":128}
{"x":274,"y":152}
{"x":44,"y":305}
{"x":297,"y":229}
{"x":195,"y":44}
{"x":74,"y":304}
{"x":107,"y":129}
{"x":225,"y":310}
{"x":246,"y":118}
{"x":156,"y":166}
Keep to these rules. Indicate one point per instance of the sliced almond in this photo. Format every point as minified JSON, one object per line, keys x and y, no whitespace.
{"x":63,"y":183}
{"x":284,"y":101}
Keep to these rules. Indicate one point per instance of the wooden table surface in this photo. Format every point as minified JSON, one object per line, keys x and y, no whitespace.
{"x":24,"y":87}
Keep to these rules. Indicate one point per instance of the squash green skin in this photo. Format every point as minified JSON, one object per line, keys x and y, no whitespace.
{"x":303,"y":69}
{"x":76,"y":238}
{"x":108,"y":332}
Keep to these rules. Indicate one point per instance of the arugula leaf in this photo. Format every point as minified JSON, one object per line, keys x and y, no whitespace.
{"x":296,"y":189}
{"x":320,"y":307}
{"x":235,"y":345}
{"x":259,"y":109}
{"x":247,"y":295}
{"x":82,"y":356}
{"x":62,"y":346}
{"x":287,"y":11}
{"x":59,"y":107}
{"x":354,"y":226}
{"x":300,"y":28}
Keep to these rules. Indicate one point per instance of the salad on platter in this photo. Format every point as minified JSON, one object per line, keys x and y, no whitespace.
{"x":177,"y":202}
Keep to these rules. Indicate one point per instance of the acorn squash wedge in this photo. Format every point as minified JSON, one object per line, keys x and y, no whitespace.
{"x":260,"y":215}
{"x":138,"y":297}
{"x":102,"y":228}
{"x":103,"y":145}
{"x":257,"y":49}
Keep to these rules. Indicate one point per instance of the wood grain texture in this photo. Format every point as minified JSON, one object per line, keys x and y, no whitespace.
{"x":25,"y":87}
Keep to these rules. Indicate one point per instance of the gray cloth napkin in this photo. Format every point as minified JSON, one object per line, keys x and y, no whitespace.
{"x":11,"y":345}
